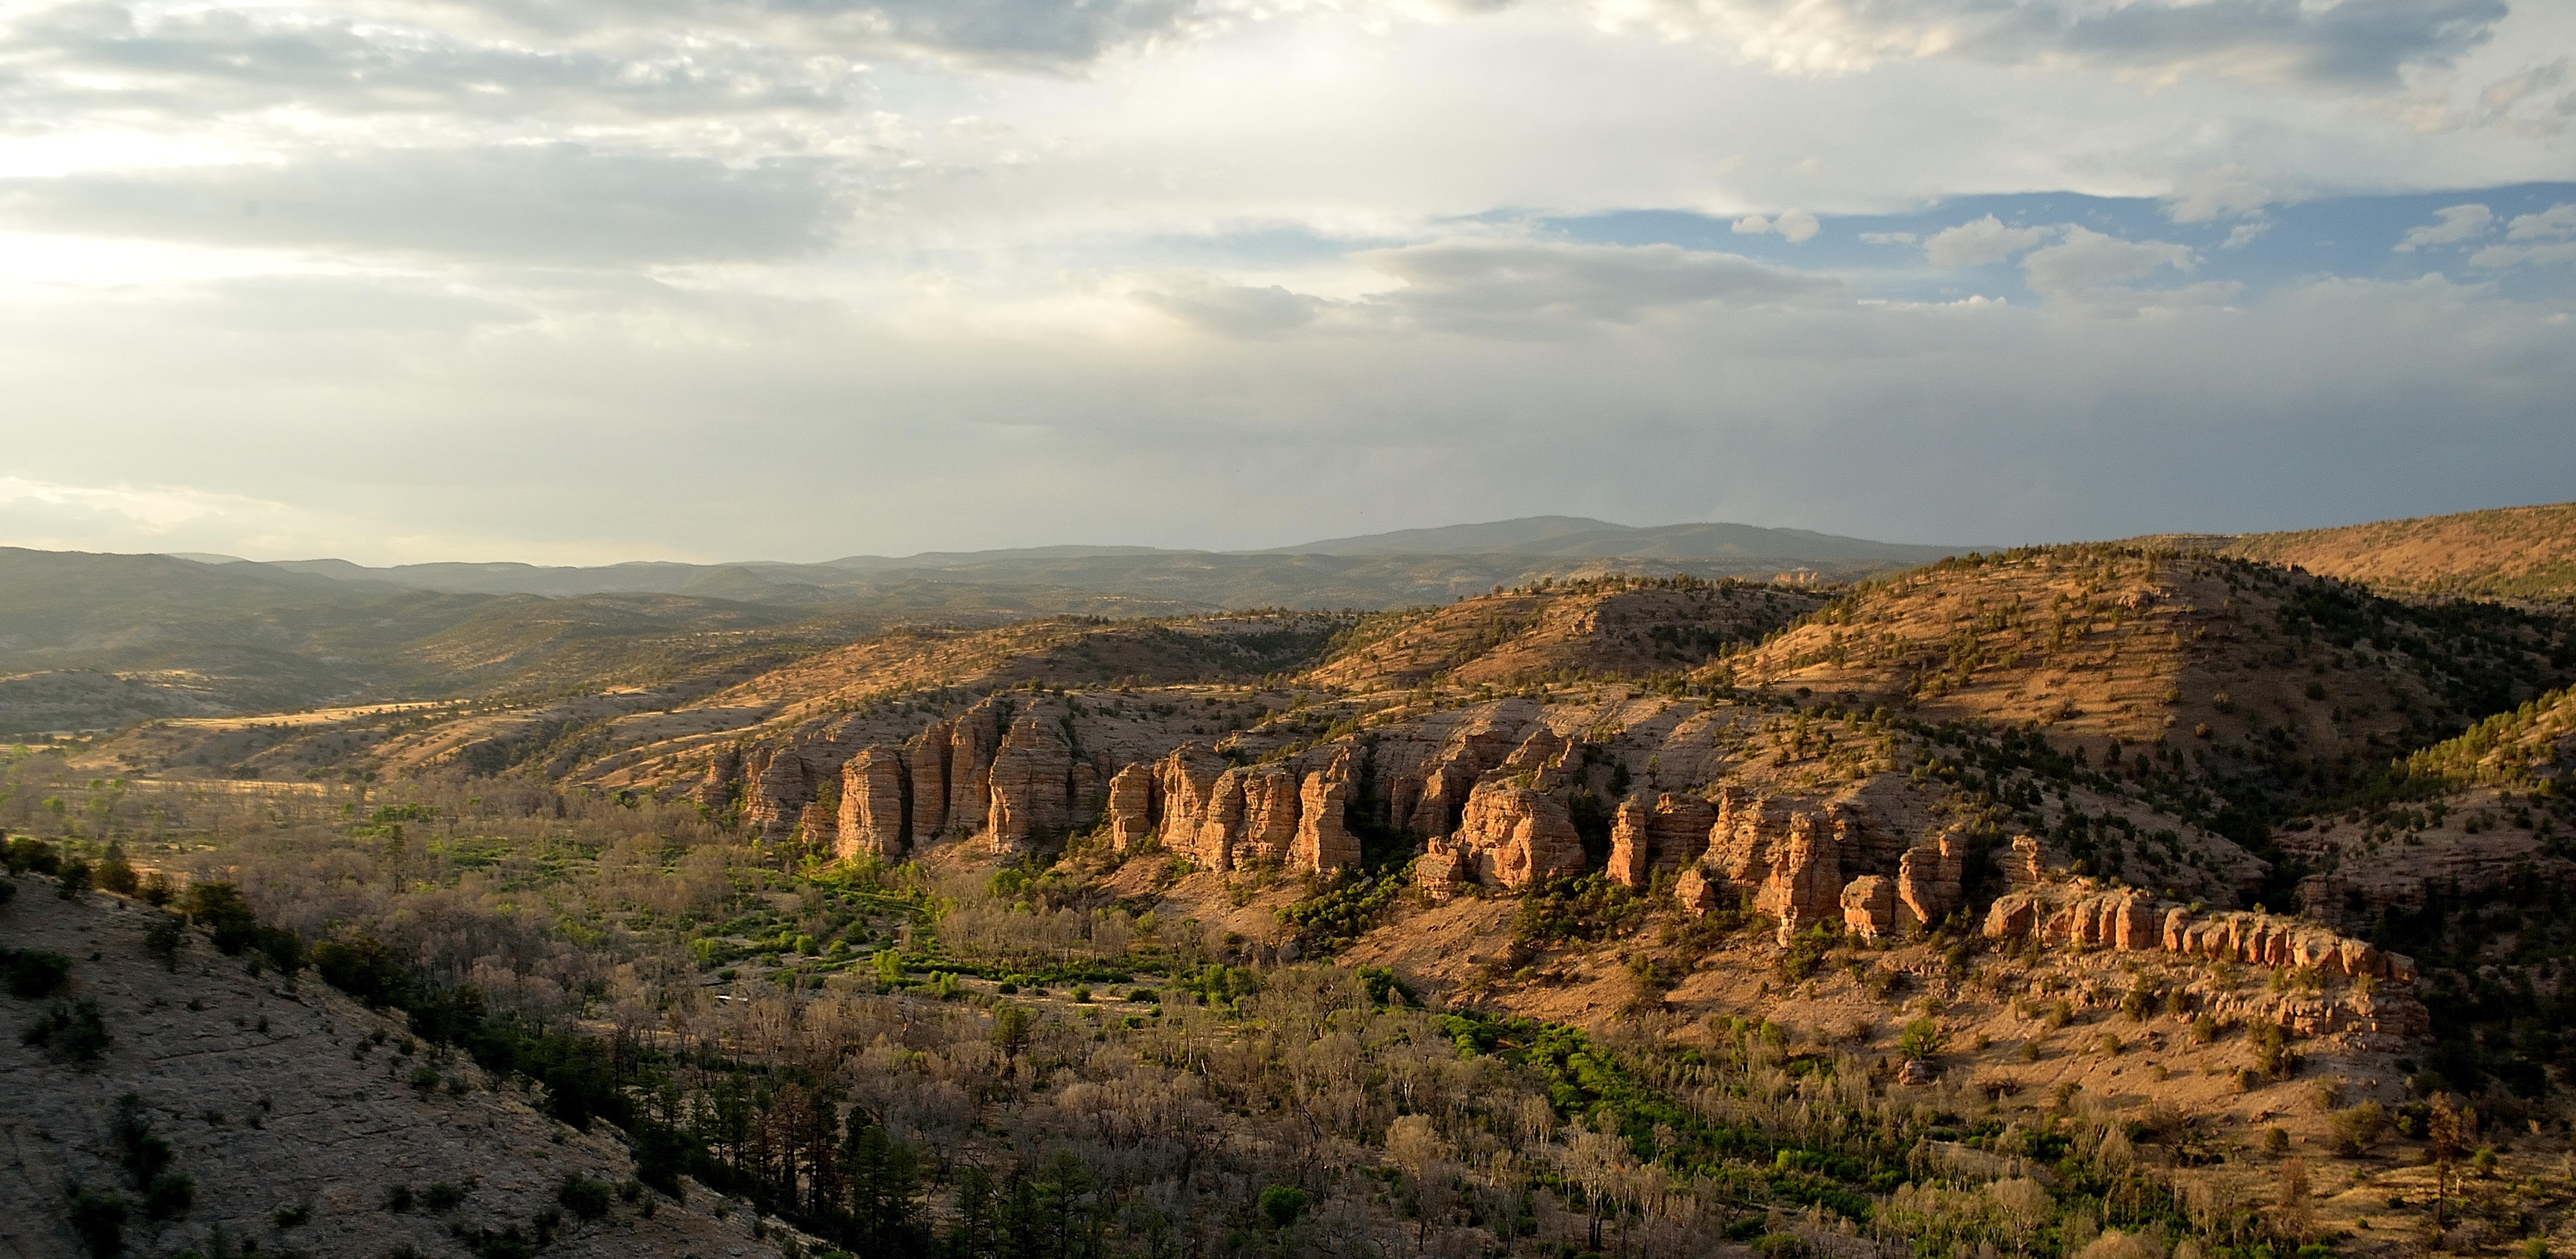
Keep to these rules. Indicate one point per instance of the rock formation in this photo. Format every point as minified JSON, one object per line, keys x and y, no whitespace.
{"x":874,"y":817}
{"x":1869,"y":906}
{"x":1927,"y":879}
{"x":1323,"y":840}
{"x":1131,"y":808}
{"x":1669,"y":835}
{"x":1029,"y":785}
{"x":1511,"y":837}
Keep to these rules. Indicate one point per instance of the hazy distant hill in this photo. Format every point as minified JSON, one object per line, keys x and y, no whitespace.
{"x":1578,"y":537}
{"x":1414,"y":566}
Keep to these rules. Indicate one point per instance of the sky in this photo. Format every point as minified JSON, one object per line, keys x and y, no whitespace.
{"x":585,"y":281}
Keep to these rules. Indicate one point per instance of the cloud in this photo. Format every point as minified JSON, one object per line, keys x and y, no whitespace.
{"x":1232,"y":310}
{"x":558,"y":204}
{"x":2455,"y":224}
{"x":1499,"y":286}
{"x":2555,"y":223}
{"x":2091,"y":269}
{"x":1888,"y":238}
{"x":121,"y":512}
{"x":1797,"y":225}
{"x":1018,"y":34}
{"x":2244,"y":234}
{"x":84,"y":58}
{"x":2351,"y":43}
{"x":2549,"y":230}
{"x":1982,"y":242}
{"x":2230,"y":191}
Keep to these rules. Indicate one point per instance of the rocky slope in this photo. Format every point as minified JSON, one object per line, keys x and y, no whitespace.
{"x":216,"y":1109}
{"x":2510,"y":553}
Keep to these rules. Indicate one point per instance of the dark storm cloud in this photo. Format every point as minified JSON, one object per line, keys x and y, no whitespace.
{"x":556,"y":204}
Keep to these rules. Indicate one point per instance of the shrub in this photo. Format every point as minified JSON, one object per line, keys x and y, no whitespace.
{"x":1921,"y":1038}
{"x":8,"y":890}
{"x":398,"y":1199}
{"x":583,"y":1196}
{"x":116,"y":874}
{"x":32,"y":856}
{"x":424,"y":1079}
{"x":35,"y":973}
{"x":443,"y":1196}
{"x":2275,"y":1140}
{"x":76,"y":879}
{"x":296,"y":1216}
{"x":73,"y":1033}
{"x":99,"y":1222}
{"x":156,"y":890}
{"x":1282,"y":1204}
{"x":163,"y":938}
{"x":2358,"y":1128}
{"x":170,"y":1196}
{"x":220,"y":909}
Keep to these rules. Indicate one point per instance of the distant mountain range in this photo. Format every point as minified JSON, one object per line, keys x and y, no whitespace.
{"x":1374,"y":570}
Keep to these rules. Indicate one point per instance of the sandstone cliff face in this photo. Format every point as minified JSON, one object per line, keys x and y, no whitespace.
{"x":1030,"y":784}
{"x":875,"y":805}
{"x":1324,"y":840}
{"x":1512,"y":836}
{"x":1646,"y":840}
{"x":1132,"y":815}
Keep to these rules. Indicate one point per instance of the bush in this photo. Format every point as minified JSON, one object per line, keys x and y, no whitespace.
{"x":424,"y":1079}
{"x":1921,"y":1038}
{"x":398,"y":1199}
{"x":2358,"y":1128}
{"x":76,"y":879}
{"x":220,"y":909}
{"x":443,"y":1196}
{"x":583,"y":1196}
{"x":170,"y":1196}
{"x":73,"y":1033}
{"x":1281,"y":1205}
{"x":163,"y":938}
{"x":156,"y":890}
{"x":296,"y":1216}
{"x":36,"y":973}
{"x":99,"y":1222}
{"x":116,"y":874}
{"x":31,"y":856}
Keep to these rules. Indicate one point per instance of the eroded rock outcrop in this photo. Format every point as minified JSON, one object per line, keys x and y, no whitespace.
{"x":1510,"y":837}
{"x":1029,"y":785}
{"x":875,"y":815}
{"x":1324,"y":841}
{"x":1668,"y":835}
{"x":1131,"y":811}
